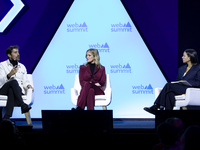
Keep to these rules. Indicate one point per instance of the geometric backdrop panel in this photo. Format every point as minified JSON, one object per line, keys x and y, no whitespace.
{"x":97,"y":24}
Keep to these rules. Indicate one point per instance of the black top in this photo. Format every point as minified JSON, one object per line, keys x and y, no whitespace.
{"x":92,"y":67}
{"x":13,"y":62}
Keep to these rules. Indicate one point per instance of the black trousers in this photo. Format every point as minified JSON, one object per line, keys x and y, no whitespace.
{"x":166,"y":97}
{"x":14,"y":93}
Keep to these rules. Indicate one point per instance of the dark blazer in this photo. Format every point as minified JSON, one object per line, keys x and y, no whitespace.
{"x":99,"y":75}
{"x":192,"y":76}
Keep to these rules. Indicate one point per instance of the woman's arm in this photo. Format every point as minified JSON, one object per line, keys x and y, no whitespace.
{"x":81,"y":75}
{"x":103,"y":77}
{"x":195,"y":82}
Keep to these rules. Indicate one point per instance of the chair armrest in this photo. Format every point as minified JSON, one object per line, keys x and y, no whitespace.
{"x":74,"y":94}
{"x":108,"y":93}
{"x":29,"y":97}
{"x":193,"y":96}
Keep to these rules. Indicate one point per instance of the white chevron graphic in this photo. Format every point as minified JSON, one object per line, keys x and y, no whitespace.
{"x":17,"y":7}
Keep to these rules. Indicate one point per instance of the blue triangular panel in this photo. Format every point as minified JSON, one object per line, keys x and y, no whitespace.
{"x":124,"y":54}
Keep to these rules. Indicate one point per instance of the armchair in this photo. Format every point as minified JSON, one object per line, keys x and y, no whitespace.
{"x":190,"y":98}
{"x":28,"y":99}
{"x":100,"y":100}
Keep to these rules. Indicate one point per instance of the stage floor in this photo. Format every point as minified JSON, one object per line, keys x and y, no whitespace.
{"x":133,"y":124}
{"x":117,"y":123}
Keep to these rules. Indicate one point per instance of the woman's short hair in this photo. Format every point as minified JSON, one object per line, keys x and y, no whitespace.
{"x":193,"y":56}
{"x":95,"y":53}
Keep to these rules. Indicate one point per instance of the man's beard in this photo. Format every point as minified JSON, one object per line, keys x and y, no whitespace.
{"x":14,"y":62}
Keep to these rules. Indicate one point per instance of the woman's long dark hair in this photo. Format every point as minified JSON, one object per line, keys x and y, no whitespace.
{"x":193,"y":56}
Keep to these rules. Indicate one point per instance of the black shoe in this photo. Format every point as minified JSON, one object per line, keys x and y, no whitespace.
{"x":78,"y":108}
{"x":73,"y":109}
{"x":25,"y":108}
{"x":151,"y":109}
{"x":8,"y":120}
{"x":161,"y":107}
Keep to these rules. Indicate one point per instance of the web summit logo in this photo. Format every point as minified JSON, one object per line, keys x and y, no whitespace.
{"x":100,"y":47}
{"x":119,"y":27}
{"x":72,"y":68}
{"x":54,"y":89}
{"x":140,"y":89}
{"x":120,"y":68}
{"x":77,"y":27}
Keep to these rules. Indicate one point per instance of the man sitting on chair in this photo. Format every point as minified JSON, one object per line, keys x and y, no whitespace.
{"x":13,"y":81}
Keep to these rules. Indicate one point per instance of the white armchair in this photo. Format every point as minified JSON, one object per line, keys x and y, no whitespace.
{"x":28,"y":99}
{"x":190,"y":98}
{"x":100,"y":100}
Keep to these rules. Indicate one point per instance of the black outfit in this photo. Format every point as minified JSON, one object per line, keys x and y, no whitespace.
{"x":166,"y":98}
{"x":14,"y":93}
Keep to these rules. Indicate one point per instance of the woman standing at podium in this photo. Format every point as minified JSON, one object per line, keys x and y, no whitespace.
{"x":189,"y":72}
{"x":92,"y":78}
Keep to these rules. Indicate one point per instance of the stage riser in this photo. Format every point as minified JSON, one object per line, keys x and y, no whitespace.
{"x":77,"y":122}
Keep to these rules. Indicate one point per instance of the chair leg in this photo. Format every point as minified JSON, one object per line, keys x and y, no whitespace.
{"x":183,"y":108}
{"x":104,"y":108}
{"x":28,"y":118}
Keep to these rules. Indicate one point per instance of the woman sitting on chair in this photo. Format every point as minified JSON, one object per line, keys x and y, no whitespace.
{"x":189,"y":73}
{"x":92,"y":78}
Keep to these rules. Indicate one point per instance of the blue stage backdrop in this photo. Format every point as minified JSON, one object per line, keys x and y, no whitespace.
{"x":101,"y":24}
